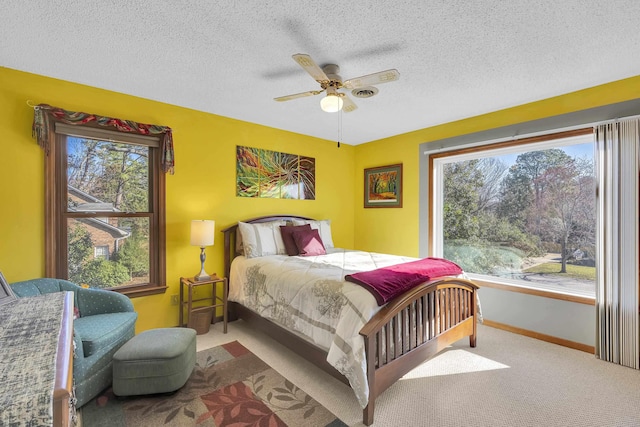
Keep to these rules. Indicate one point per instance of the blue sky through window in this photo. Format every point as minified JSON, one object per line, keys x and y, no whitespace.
{"x":576,"y":151}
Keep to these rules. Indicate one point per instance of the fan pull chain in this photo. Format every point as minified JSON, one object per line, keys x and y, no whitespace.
{"x":339,"y":127}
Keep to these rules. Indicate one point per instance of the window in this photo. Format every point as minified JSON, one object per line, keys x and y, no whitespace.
{"x":101,"y":252}
{"x":105,"y":209}
{"x":519,"y":214}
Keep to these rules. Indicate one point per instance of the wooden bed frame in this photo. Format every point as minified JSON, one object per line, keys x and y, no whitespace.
{"x":401,"y":336}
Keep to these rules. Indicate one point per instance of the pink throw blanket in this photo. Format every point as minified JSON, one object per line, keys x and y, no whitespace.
{"x":388,"y":282}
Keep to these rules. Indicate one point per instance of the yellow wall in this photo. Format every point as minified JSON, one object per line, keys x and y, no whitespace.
{"x":395,"y":230}
{"x":203,"y":186}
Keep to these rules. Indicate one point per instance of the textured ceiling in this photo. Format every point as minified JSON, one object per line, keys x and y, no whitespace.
{"x":456,"y":58}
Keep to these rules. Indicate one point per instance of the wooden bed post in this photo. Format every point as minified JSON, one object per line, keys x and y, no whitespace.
{"x":474,"y":312}
{"x":370,"y":353}
{"x":367,"y":412}
{"x":227,"y":253}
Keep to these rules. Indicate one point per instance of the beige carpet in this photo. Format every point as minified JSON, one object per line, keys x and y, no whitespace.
{"x":507,"y":380}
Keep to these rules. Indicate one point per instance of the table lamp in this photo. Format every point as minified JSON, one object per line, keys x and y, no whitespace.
{"x":202,"y":231}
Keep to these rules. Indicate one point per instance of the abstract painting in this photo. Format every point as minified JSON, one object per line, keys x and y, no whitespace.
{"x":271,"y":174}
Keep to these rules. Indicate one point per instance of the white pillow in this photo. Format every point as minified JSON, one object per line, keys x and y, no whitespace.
{"x":262,"y":238}
{"x":239,"y":246}
{"x":323,"y":227}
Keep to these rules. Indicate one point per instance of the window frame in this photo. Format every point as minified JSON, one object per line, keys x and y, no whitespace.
{"x":56,"y":204}
{"x":435,"y":246}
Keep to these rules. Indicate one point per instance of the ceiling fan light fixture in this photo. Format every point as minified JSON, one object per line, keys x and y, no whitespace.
{"x":331,"y":103}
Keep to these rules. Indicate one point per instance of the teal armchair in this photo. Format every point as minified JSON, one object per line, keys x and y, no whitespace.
{"x":106,"y":322}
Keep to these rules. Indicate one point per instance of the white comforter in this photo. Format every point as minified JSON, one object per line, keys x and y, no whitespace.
{"x":309,"y":295}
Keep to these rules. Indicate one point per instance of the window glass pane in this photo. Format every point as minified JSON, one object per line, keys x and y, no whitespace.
{"x":105,"y":176}
{"x":104,"y":253}
{"x":526,"y":217}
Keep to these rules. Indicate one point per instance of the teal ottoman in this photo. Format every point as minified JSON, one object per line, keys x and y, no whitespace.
{"x":154,"y":361}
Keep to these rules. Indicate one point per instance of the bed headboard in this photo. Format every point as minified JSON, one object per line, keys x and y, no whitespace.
{"x":230,"y":236}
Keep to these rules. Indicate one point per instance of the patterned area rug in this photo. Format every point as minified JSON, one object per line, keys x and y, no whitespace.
{"x":230,"y":386}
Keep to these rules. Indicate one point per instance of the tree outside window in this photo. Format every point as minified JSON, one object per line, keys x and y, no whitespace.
{"x":524,"y":214}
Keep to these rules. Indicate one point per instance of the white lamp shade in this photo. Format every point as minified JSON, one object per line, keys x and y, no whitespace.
{"x":202,"y":232}
{"x":331,"y":103}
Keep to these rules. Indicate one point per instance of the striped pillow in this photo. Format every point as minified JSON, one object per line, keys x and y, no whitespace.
{"x":261,"y":239}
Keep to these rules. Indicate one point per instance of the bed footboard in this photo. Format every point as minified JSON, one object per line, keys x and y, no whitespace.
{"x":410,"y":330}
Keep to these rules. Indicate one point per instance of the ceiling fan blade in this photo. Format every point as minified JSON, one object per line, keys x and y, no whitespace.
{"x":347,"y":104}
{"x":310,"y":67}
{"x":298,"y":95}
{"x":372,"y":79}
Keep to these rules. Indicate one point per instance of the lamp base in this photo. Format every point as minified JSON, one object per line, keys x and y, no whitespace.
{"x":201,"y":277}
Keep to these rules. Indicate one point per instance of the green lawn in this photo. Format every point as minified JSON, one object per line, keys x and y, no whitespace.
{"x":575,"y":271}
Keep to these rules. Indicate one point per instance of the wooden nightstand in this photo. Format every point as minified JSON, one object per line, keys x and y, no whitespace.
{"x":215,"y":300}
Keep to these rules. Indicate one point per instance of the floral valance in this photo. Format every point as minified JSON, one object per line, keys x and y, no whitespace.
{"x":42,"y":127}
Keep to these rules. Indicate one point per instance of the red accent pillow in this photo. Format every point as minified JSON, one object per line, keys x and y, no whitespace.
{"x":287,"y":237}
{"x":309,"y":242}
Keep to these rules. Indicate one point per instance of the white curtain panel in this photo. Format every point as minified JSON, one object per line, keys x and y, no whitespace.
{"x":617,"y":303}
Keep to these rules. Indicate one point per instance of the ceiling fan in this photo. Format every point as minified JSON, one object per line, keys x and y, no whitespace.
{"x":331,"y":82}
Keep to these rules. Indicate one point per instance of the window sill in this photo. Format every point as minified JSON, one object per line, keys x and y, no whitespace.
{"x":140,"y":291}
{"x":483,"y":282}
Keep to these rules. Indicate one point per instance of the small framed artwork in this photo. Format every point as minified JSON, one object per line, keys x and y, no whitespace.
{"x":383,"y":187}
{"x":6,"y":294}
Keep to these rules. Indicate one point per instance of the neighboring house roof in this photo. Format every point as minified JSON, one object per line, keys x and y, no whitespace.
{"x":82,"y":195}
{"x":93,"y":204}
{"x":105,"y":226}
{"x":94,"y":207}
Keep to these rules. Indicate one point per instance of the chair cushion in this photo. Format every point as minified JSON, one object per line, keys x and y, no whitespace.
{"x":102,"y":330}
